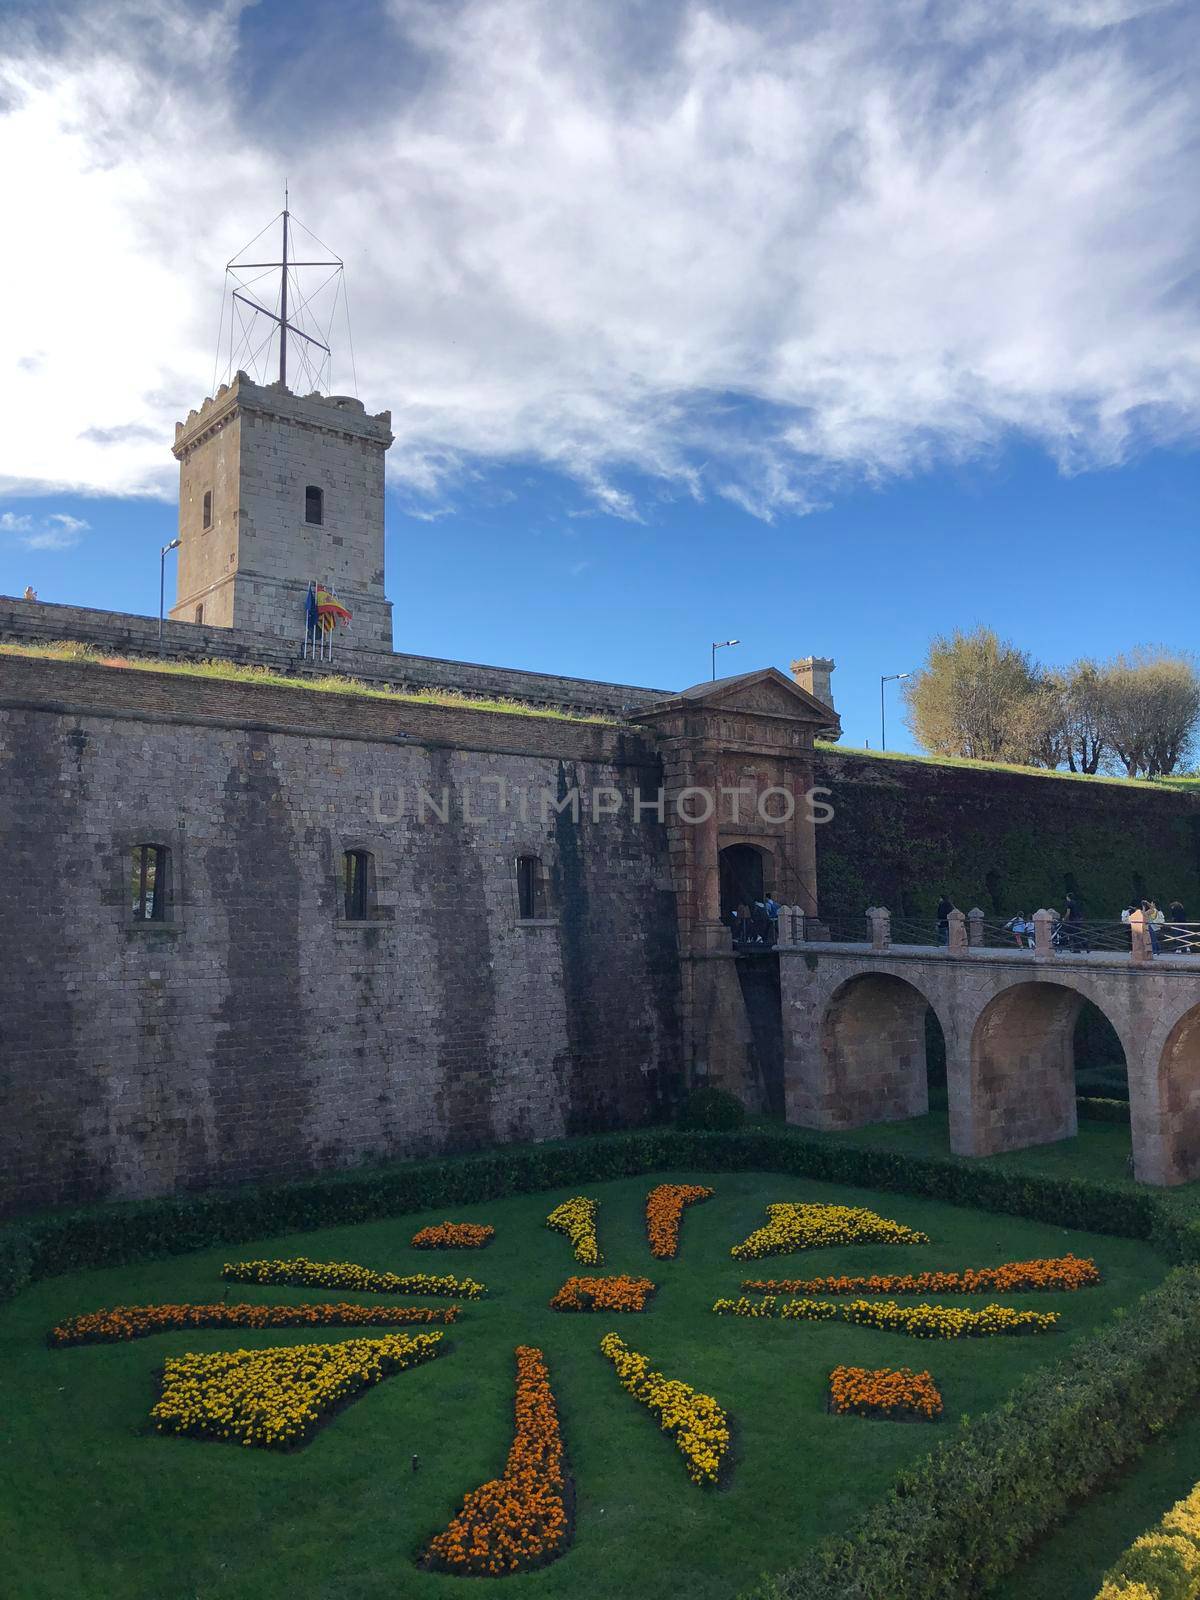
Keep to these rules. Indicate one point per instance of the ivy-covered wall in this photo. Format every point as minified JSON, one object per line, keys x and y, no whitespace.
{"x":905,"y":831}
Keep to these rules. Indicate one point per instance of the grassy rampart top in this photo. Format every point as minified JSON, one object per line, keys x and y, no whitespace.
{"x":1184,"y":783}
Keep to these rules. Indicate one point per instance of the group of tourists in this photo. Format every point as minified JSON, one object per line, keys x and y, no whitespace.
{"x":755,"y":925}
{"x":1170,"y":934}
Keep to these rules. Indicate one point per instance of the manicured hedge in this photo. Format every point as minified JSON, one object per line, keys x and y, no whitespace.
{"x":111,"y":1235}
{"x":954,"y":1523}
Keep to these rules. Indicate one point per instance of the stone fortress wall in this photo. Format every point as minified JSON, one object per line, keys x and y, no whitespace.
{"x":257,"y":1034}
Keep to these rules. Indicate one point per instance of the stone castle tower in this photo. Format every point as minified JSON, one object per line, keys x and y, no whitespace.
{"x":277,"y":490}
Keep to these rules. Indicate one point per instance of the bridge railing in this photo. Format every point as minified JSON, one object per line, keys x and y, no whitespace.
{"x":964,"y":932}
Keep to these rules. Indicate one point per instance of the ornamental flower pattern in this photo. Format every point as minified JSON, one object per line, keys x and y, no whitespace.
{"x":520,"y":1519}
{"x":345,"y":1275}
{"x":919,"y":1322}
{"x":1014,"y":1277}
{"x":886,"y":1392}
{"x":799,"y":1226}
{"x":453,"y":1236}
{"x":664,"y":1211}
{"x":577,"y":1219}
{"x":699,"y":1426}
{"x":136,"y":1322}
{"x":277,"y":1398}
{"x":616,"y":1293}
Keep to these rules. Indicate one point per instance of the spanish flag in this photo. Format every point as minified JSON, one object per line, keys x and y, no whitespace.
{"x":330,"y":610}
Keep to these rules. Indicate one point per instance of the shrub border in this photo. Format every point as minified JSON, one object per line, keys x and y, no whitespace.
{"x":118,"y":1233}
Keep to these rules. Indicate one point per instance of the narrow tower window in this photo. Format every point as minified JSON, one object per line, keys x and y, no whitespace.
{"x":314,"y":504}
{"x":150,"y":883}
{"x":199,"y":613}
{"x":531,"y":889}
{"x":356,"y":875}
{"x":206,"y":514}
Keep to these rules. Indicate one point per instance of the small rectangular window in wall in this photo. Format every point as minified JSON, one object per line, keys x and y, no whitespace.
{"x":149,"y":883}
{"x":531,"y":891}
{"x":314,"y":504}
{"x":206,"y":517}
{"x":355,"y":871}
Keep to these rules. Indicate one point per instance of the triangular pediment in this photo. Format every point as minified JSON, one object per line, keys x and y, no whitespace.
{"x":767,"y":692}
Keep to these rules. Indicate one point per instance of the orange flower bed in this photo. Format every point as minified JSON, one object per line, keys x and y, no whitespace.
{"x":1014,"y":1277}
{"x":897,"y":1393}
{"x":618,"y":1293}
{"x":453,"y":1236}
{"x":136,"y":1322}
{"x":664,"y":1208}
{"x":519,"y":1520}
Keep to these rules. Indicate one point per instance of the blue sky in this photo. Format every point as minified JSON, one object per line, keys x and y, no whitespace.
{"x":825,"y":330}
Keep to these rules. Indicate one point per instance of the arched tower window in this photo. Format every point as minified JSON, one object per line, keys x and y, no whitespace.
{"x":314,"y":504}
{"x":357,"y":885}
{"x":150,"y":883}
{"x":206,"y":513}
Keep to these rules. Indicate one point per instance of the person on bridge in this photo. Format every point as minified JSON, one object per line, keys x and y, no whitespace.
{"x":1154,"y":921}
{"x":944,"y":907}
{"x":1178,"y":936}
{"x":1073,"y":937}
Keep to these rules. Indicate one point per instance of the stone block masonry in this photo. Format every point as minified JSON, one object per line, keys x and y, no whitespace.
{"x":257,"y":1034}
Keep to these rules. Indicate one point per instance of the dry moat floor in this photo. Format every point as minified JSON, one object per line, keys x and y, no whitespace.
{"x":94,"y":1504}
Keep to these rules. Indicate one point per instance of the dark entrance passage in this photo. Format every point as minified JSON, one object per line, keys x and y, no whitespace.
{"x":741,"y":878}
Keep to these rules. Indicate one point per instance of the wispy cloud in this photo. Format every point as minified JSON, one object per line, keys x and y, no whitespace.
{"x":757,"y":252}
{"x":57,"y":531}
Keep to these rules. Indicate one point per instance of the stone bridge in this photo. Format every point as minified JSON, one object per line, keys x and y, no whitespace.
{"x":854,"y":1039}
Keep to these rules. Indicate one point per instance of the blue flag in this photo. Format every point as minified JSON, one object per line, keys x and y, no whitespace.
{"x":312,"y":620}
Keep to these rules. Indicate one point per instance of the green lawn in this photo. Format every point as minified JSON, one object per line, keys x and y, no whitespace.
{"x":1071,"y":1562}
{"x":95,"y":1505}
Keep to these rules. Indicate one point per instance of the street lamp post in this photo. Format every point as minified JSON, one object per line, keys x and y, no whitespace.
{"x":888,"y":677}
{"x":162,"y":579}
{"x":723,"y":644}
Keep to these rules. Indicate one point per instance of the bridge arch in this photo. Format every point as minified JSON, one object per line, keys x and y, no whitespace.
{"x":1178,"y":1072}
{"x":873,"y":1050}
{"x":1022,"y":1063}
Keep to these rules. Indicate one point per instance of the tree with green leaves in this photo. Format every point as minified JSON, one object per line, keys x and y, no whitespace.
{"x":979,"y":696}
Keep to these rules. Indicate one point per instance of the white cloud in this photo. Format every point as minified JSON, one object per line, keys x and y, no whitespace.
{"x":57,"y":531}
{"x":755,"y":251}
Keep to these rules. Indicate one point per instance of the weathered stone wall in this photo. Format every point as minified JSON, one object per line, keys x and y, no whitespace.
{"x":258,"y":1034}
{"x":1009,"y":842}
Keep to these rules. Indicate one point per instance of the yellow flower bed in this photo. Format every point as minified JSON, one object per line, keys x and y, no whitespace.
{"x":918,"y":1322}
{"x":700,"y":1426}
{"x":1163,"y":1564}
{"x":796,"y":1226}
{"x":276,"y":1398}
{"x":577,"y":1219}
{"x":345,"y":1275}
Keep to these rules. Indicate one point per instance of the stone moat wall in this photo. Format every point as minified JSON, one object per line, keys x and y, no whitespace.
{"x":257,"y":1034}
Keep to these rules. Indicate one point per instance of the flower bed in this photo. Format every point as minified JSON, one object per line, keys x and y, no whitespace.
{"x":345,"y":1275}
{"x":894,"y":1394}
{"x":1163,"y":1564}
{"x":796,"y":1226}
{"x":699,"y":1425}
{"x":278,"y":1398}
{"x":664,"y":1208}
{"x":136,"y":1322}
{"x":521,"y":1519}
{"x":577,"y":1219}
{"x":1014,"y":1277}
{"x":919,"y":1322}
{"x":453,"y":1236}
{"x":618,"y":1293}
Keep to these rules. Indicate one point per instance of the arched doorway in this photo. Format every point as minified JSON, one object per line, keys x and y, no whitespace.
{"x":874,"y":1037}
{"x":1022,"y":1068}
{"x":742,"y":877}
